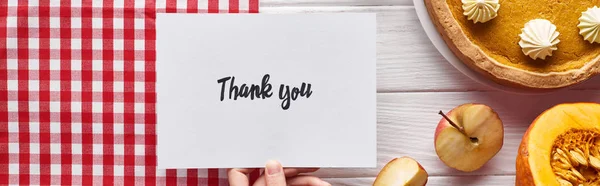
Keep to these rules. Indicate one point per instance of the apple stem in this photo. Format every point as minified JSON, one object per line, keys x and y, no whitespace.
{"x":453,"y":124}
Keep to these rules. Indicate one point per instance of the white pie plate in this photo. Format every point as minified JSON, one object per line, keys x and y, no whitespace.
{"x":441,"y":46}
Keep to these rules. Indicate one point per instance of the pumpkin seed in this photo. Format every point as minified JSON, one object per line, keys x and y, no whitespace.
{"x":578,"y":157}
{"x":595,"y":162}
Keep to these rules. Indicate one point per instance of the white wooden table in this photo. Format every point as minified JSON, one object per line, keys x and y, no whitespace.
{"x":414,"y":82}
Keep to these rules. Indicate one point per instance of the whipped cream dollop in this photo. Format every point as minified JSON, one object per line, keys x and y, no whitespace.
{"x":539,"y":38}
{"x":589,"y":25}
{"x":480,"y":10}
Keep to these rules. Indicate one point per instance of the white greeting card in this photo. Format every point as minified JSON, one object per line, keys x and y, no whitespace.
{"x":238,"y":90}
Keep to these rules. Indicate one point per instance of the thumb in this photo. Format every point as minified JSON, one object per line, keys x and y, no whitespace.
{"x":274,"y":174}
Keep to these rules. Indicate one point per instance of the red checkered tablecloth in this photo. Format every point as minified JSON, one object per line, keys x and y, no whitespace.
{"x":77,"y":91}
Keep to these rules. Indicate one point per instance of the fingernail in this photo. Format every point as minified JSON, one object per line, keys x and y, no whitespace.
{"x":273,"y":167}
{"x":324,"y":183}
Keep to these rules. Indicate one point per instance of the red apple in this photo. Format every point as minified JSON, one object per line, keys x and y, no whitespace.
{"x":402,"y":171}
{"x":468,"y":136}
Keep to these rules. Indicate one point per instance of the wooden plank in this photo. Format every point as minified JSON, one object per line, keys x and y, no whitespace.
{"x":406,"y":59}
{"x":436,"y":180}
{"x":407,"y":121}
{"x":274,"y":3}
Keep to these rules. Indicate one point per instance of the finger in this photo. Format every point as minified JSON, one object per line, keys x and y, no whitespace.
{"x":239,"y":177}
{"x":274,"y":175}
{"x":307,"y":181}
{"x":290,"y":172}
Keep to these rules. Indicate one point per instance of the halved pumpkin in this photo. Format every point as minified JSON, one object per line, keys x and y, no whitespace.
{"x":561,"y":147}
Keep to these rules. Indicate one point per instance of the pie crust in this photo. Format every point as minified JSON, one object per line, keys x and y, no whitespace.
{"x":473,"y":56}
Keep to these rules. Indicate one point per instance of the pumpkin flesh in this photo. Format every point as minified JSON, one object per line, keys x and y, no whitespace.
{"x":562,"y":128}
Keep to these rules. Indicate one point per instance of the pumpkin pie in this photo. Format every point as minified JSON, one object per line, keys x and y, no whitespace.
{"x":492,"y":46}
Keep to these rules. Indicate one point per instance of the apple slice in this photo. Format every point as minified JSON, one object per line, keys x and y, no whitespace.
{"x":402,"y":171}
{"x":468,"y":137}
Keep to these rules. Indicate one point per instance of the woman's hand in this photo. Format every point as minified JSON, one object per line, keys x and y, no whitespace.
{"x":275,"y":175}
